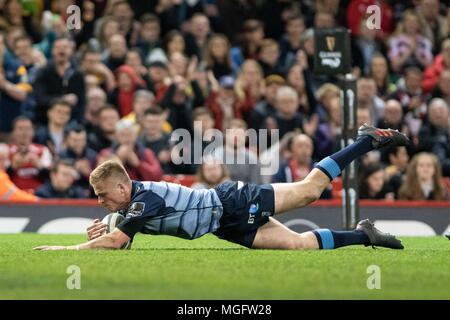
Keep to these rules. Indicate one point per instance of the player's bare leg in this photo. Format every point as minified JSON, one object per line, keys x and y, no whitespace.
{"x":275,"y":235}
{"x":289,"y":196}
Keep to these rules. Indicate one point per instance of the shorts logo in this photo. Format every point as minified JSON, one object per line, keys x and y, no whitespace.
{"x":266,"y":214}
{"x":136,"y":209}
{"x":252,"y":212}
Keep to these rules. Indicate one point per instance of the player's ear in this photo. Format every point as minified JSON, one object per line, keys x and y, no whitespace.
{"x":122,"y":188}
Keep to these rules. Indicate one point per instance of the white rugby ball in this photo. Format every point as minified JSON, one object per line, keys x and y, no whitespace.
{"x":112,"y":220}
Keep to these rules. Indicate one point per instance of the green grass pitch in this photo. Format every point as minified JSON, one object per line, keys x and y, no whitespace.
{"x":160,"y":267}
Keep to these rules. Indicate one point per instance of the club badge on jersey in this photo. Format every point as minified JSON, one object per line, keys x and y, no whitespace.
{"x":136,"y":210}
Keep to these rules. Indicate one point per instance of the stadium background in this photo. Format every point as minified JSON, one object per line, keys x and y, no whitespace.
{"x":135,"y":71}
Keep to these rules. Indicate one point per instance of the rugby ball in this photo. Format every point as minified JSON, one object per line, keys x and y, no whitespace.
{"x":112,"y":220}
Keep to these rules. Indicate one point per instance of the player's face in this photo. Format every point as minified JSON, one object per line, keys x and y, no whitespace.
{"x":111,"y":195}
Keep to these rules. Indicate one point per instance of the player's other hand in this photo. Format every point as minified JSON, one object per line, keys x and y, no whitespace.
{"x":48,"y":248}
{"x":96,"y":229}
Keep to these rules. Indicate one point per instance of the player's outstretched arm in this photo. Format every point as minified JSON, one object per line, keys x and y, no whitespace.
{"x":113,"y":240}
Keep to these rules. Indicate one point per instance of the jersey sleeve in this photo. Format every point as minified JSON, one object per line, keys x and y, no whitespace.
{"x":143,"y":208}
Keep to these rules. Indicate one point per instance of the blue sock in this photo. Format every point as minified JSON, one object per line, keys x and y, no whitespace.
{"x":329,"y":239}
{"x":333,"y":165}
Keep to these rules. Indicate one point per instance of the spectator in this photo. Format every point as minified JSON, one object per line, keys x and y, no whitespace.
{"x":121,"y":12}
{"x":187,"y":155}
{"x":266,"y":107}
{"x":139,"y":161}
{"x":210,"y":174}
{"x":365,"y":46}
{"x":13,"y":16}
{"x":174,"y":42}
{"x":197,"y":37}
{"x":287,"y":118}
{"x":8,"y":191}
{"x":60,"y":79}
{"x":396,"y":159}
{"x":96,"y":100}
{"x":300,"y":78}
{"x":434,"y":135}
{"x":105,"y":29}
{"x":367,"y":98}
{"x":149,"y":41}
{"x":410,"y":44}
{"x":142,"y":101}
{"x":290,"y":42}
{"x":393,"y":117}
{"x":250,"y":82}
{"x":436,"y":24}
{"x":328,"y":134}
{"x":28,"y":162}
{"x":379,"y":71}
{"x":134,"y":60}
{"x":442,"y":90}
{"x":300,"y":161}
{"x":252,"y":36}
{"x":61,"y":184}
{"x":184,"y":94}
{"x":159,"y":76}
{"x":423,"y":179}
{"x":12,"y":93}
{"x":268,"y":56}
{"x":128,"y":82}
{"x":373,"y":183}
{"x":178,"y":64}
{"x":433,"y":71}
{"x":27,"y":71}
{"x":217,"y":55}
{"x":103,"y":136}
{"x":77,"y":151}
{"x":363,"y":116}
{"x":223,"y":101}
{"x":241,"y":162}
{"x":154,"y":137}
{"x":91,"y":64}
{"x":114,"y":55}
{"x":307,"y":49}
{"x":326,"y":93}
{"x":52,"y":135}
{"x":410,"y":95}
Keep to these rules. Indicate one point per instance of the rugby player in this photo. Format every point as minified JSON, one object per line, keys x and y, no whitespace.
{"x":234,"y":211}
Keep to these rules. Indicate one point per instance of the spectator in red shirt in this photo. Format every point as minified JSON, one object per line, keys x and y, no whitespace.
{"x":128,"y":82}
{"x":441,"y":62}
{"x":29,"y":162}
{"x":139,"y":161}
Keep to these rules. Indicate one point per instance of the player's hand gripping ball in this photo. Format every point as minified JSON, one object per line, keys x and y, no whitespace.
{"x":112,"y":220}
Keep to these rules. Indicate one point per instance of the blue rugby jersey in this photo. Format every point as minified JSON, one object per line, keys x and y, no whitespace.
{"x":171,"y":209}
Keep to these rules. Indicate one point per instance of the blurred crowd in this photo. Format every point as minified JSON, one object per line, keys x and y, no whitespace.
{"x":132,"y":72}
